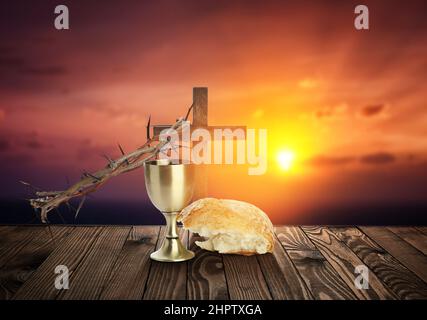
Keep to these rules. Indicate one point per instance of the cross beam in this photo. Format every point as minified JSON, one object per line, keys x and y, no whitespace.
{"x":200,"y":120}
{"x":200,"y":114}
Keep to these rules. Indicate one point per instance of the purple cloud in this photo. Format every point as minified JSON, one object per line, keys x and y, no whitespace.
{"x":372,"y":110}
{"x":329,"y":161}
{"x":378,"y":158}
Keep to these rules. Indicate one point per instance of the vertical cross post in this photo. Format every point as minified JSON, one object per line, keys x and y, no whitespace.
{"x":200,"y":107}
{"x":200,"y":119}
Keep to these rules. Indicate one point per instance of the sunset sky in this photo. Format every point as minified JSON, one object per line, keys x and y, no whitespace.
{"x":348,"y":106}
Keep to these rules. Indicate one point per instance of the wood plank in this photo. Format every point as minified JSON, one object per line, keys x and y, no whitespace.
{"x":90,"y":276}
{"x":345,"y":261}
{"x":407,"y":255}
{"x":293,"y":238}
{"x":423,"y":229}
{"x":20,"y":267}
{"x":15,"y":239}
{"x":206,"y":276}
{"x":282,"y":277}
{"x":320,"y":277}
{"x":70,"y":253}
{"x":5,"y":230}
{"x":244,"y":278}
{"x":6,"y":235}
{"x":404,"y":283}
{"x":415,"y":237}
{"x":167,"y":281}
{"x":130,"y":272}
{"x":110,"y":263}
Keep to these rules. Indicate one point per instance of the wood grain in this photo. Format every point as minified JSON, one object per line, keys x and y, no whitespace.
{"x":40,"y":285}
{"x":167,"y":280}
{"x":200,"y":107}
{"x":15,"y":239}
{"x":320,"y":277}
{"x":130,"y":272}
{"x":407,"y":255}
{"x":308,"y":262}
{"x":20,"y":267}
{"x":423,"y":229}
{"x":345,"y":261}
{"x":293,"y":238}
{"x":206,"y":277}
{"x":401,"y":281}
{"x":282,"y":277}
{"x":200,"y":119}
{"x":413,"y":236}
{"x":4,"y":230}
{"x":94,"y":270}
{"x":245,"y":279}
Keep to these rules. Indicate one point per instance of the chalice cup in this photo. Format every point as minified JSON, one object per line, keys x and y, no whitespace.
{"x":170,"y":187}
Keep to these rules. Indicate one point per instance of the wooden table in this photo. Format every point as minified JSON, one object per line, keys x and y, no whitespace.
{"x":112,"y":262}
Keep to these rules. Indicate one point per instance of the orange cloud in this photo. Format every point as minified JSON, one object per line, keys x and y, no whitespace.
{"x":308,"y":83}
{"x":332,"y":112}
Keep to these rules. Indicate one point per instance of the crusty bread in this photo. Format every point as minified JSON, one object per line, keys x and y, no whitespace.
{"x":230,"y":226}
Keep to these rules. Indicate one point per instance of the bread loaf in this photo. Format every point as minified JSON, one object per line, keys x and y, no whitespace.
{"x":229,"y":226}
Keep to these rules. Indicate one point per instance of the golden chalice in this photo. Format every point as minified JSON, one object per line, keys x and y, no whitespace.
{"x":170,"y":188}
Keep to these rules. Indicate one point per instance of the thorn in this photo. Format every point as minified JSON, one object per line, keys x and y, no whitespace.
{"x":123,"y":153}
{"x":110,"y":161}
{"x":148,"y":128}
{"x":148,"y":143}
{"x":80,"y":206}
{"x":87,"y":174}
{"x":24,"y":183}
{"x":29,"y":185}
{"x":60,"y":215}
{"x":188,"y":112}
{"x":70,"y":207}
{"x":95,"y":177}
{"x":121,"y":149}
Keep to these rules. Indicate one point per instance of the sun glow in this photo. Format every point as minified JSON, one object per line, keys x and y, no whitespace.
{"x":285,"y":159}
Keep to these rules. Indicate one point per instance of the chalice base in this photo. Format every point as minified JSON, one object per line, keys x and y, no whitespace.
{"x":172,"y":250}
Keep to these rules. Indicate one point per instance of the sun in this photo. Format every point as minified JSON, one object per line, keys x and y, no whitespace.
{"x":285,"y":159}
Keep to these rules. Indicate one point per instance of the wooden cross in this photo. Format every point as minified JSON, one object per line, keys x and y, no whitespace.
{"x":200,"y":120}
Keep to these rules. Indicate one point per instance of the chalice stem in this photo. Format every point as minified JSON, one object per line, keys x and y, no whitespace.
{"x":171,"y":250}
{"x":171,"y":228}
